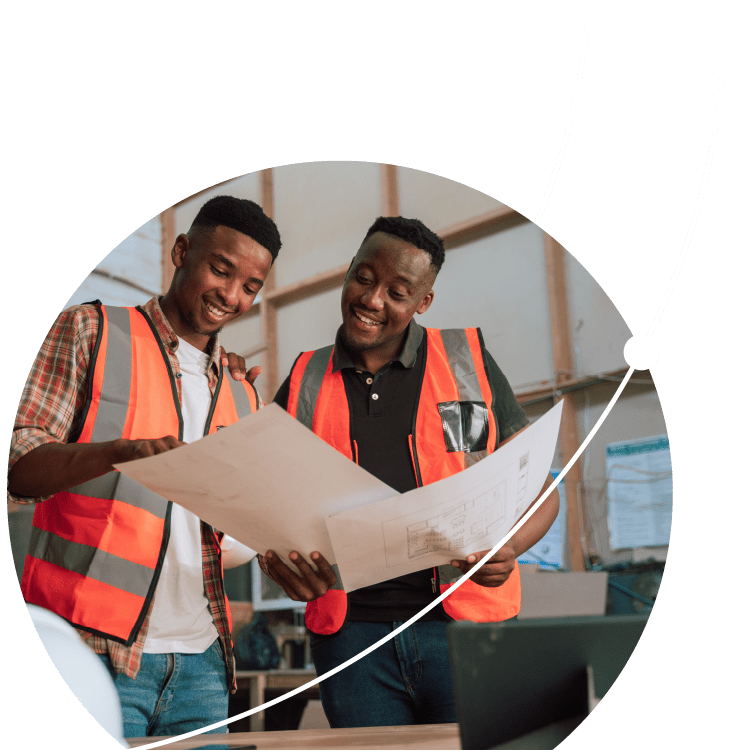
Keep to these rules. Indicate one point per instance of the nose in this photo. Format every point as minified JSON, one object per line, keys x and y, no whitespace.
{"x":372,"y":298}
{"x":231,"y":293}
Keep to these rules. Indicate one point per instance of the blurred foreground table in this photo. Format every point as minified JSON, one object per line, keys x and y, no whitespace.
{"x":437,"y":736}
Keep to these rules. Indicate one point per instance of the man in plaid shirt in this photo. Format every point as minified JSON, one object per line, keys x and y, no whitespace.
{"x":176,"y":674}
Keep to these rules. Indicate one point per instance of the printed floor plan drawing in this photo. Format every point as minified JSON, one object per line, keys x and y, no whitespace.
{"x":480,"y":515}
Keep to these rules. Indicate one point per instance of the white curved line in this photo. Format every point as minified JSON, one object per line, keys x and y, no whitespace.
{"x":707,"y":169}
{"x":571,"y":113}
{"x":425,"y":610}
{"x":592,"y":433}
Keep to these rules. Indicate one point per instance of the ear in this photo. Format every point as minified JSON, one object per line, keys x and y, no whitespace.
{"x":180,"y":250}
{"x":425,"y":302}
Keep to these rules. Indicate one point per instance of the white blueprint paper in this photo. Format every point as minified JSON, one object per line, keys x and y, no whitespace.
{"x":267,"y":481}
{"x":459,"y":515}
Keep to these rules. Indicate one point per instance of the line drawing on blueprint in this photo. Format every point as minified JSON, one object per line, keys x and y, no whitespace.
{"x":482,"y":513}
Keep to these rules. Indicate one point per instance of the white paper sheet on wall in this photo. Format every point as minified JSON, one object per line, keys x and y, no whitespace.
{"x":640,"y":492}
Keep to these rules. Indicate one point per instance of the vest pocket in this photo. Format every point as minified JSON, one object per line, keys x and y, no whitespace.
{"x":465,"y":426}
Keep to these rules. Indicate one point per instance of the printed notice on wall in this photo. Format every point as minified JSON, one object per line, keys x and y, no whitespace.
{"x":640,"y":492}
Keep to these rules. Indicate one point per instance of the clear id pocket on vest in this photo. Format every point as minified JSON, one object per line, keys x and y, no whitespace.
{"x":465,"y":426}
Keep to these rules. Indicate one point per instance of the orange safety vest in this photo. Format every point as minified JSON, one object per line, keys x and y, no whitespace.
{"x":454,"y":380}
{"x":96,"y":550}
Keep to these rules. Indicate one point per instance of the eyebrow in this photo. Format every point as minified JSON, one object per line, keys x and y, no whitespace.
{"x":223,"y":259}
{"x":231,"y":265}
{"x":406,"y":280}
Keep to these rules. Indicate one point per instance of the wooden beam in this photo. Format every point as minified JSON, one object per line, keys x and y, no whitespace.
{"x":311,"y":286}
{"x":167,"y":218}
{"x":269,"y":326}
{"x":456,"y":234}
{"x":562,"y":363}
{"x":547,"y":390}
{"x":389,"y":190}
{"x":479,"y":226}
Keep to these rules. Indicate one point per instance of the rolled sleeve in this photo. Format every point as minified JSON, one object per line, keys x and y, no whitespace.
{"x":511,"y":416}
{"x":52,"y":402}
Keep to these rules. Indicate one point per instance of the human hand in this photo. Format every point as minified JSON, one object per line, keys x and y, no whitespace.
{"x":495,"y":571}
{"x":125,"y":450}
{"x":236,"y":365}
{"x":306,"y":586}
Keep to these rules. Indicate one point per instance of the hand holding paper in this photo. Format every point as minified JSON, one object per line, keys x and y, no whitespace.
{"x":272,"y":484}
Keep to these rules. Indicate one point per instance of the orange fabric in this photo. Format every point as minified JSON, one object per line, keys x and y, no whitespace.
{"x":326,"y":615}
{"x":328,"y":422}
{"x":473,"y":602}
{"x":225,"y":413}
{"x":116,"y":527}
{"x":82,"y":600}
{"x":109,"y":525}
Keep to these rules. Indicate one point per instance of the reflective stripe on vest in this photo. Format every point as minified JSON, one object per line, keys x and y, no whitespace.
{"x":96,"y":549}
{"x":454,"y":371}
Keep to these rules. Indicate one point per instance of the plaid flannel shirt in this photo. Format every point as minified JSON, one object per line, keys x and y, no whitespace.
{"x":51,"y":410}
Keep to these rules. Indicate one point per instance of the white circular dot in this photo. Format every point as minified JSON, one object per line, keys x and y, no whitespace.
{"x":375,"y":396}
{"x":368,"y":380}
{"x":641,"y":352}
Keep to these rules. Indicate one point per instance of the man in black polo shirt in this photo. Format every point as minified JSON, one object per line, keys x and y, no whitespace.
{"x":371,"y":390}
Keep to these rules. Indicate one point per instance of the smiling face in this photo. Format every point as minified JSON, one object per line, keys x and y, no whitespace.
{"x":388,"y":282}
{"x":218,"y":273}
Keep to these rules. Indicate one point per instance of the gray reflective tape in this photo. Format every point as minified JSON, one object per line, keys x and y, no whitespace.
{"x":91,"y":562}
{"x":338,"y":585}
{"x":311,"y":385}
{"x":459,"y":355}
{"x":239,"y":395}
{"x":448,"y":575}
{"x":122,"y":488}
{"x":113,"y":407}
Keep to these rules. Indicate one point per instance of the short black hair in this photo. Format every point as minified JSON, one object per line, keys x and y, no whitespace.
{"x":242,"y":215}
{"x":414,"y":232}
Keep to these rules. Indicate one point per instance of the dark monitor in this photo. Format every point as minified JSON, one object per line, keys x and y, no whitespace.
{"x":515,"y":678}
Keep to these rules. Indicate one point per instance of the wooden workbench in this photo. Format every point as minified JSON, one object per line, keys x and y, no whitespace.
{"x":438,"y":736}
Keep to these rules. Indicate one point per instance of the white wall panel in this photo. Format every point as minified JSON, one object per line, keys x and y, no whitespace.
{"x":499,"y":284}
{"x":307,"y":325}
{"x":439,"y":202}
{"x":598,"y":331}
{"x":323,"y":210}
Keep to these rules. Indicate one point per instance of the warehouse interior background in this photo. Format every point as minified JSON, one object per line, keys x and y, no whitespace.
{"x":552,"y":329}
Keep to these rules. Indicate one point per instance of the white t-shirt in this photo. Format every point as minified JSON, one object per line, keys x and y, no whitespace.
{"x":180,"y":620}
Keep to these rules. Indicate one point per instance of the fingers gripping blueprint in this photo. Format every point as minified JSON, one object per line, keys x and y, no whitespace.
{"x":271,"y":483}
{"x":457,"y":516}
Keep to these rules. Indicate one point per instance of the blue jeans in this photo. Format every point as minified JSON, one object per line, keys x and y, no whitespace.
{"x":173,"y":693}
{"x":405,"y":681}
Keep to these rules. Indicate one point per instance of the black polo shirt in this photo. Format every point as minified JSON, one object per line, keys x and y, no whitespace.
{"x":382,"y":407}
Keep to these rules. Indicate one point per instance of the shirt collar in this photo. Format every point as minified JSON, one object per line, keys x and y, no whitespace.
{"x":168,"y":336}
{"x":407,"y":356}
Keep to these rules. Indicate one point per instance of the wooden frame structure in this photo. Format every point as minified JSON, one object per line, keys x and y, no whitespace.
{"x":454,"y":236}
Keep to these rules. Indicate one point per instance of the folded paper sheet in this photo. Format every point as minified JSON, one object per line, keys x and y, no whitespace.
{"x":266,"y":480}
{"x":271,"y":483}
{"x":460,"y":515}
